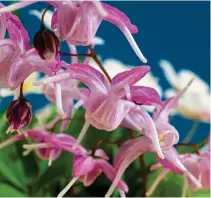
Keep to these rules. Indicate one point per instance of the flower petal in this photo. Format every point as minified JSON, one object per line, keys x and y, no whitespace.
{"x":146,"y":96}
{"x":126,"y":78}
{"x":110,"y":173}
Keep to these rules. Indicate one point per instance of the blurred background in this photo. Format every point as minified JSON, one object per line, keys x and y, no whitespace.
{"x":175,"y":31}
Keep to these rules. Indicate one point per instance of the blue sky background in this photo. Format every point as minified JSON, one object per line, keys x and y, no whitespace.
{"x":176,"y":31}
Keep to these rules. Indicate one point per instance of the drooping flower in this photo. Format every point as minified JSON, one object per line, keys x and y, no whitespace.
{"x":195,"y":168}
{"x":19,"y":115}
{"x":195,"y":104}
{"x":107,"y":106}
{"x":48,"y":146}
{"x":84,"y":21}
{"x":88,"y":166}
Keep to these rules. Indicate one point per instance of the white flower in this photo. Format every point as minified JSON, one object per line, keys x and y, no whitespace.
{"x":27,"y":86}
{"x":195,"y":103}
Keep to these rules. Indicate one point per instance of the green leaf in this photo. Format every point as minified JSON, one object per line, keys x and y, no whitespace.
{"x":201,"y":193}
{"x":7,"y":190}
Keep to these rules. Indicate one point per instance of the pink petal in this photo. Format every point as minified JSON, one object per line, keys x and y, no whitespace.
{"x":146,"y":96}
{"x":25,"y":66}
{"x":131,"y":148}
{"x":118,"y":18}
{"x":110,"y":173}
{"x":82,"y":165}
{"x":128,"y":78}
{"x":9,"y":53}
{"x":91,"y":176}
{"x":17,"y":32}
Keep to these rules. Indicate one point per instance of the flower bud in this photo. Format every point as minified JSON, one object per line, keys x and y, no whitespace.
{"x":47,"y":44}
{"x":19,"y":114}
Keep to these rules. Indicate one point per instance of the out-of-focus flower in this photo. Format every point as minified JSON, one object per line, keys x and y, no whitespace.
{"x":84,"y":21}
{"x":195,"y":104}
{"x":88,"y":166}
{"x":19,"y":115}
{"x":195,"y":168}
{"x":28,"y":87}
{"x":48,"y":146}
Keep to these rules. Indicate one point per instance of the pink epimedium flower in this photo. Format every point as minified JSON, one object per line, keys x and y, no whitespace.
{"x":199,"y":166}
{"x":127,"y":153}
{"x":106,"y":106}
{"x":77,"y":22}
{"x":48,"y":146}
{"x":195,"y":168}
{"x":88,"y":166}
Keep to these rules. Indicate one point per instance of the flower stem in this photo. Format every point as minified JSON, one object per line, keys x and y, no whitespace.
{"x":191,"y":133}
{"x":94,"y":56}
{"x":68,"y":54}
{"x":43,"y":15}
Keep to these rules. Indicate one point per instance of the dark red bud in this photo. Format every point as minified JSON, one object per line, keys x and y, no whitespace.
{"x":47,"y":44}
{"x":19,"y":113}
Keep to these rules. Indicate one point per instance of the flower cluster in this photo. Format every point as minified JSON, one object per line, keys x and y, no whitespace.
{"x":109,"y":103}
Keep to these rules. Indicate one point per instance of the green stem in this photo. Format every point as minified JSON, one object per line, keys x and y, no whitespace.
{"x":192,"y":132}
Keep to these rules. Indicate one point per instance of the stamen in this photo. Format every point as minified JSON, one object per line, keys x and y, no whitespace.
{"x":10,"y":129}
{"x":185,"y":187}
{"x":36,"y":146}
{"x":134,"y":45}
{"x":51,"y":158}
{"x":58,"y":94}
{"x":64,"y":191}
{"x":100,"y":8}
{"x":8,"y":142}
{"x":83,"y":132}
{"x":20,"y":131}
{"x":156,"y":182}
{"x":122,"y":193}
{"x":15,"y":6}
{"x":128,"y":93}
{"x":55,"y":78}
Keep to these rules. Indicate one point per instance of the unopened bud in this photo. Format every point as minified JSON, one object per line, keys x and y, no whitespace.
{"x":19,"y":114}
{"x":47,"y":44}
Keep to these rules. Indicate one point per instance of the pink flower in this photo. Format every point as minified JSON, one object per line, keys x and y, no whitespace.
{"x":195,"y":168}
{"x":77,"y":22}
{"x":17,"y":61}
{"x":88,"y":166}
{"x":47,"y":146}
{"x":107,"y":106}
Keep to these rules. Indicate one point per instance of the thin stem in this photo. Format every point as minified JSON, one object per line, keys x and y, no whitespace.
{"x":94,"y":56}
{"x":43,"y":15}
{"x":191,"y":133}
{"x":143,"y":167}
{"x":68,"y":54}
{"x":21,"y":91}
{"x":195,"y":147}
